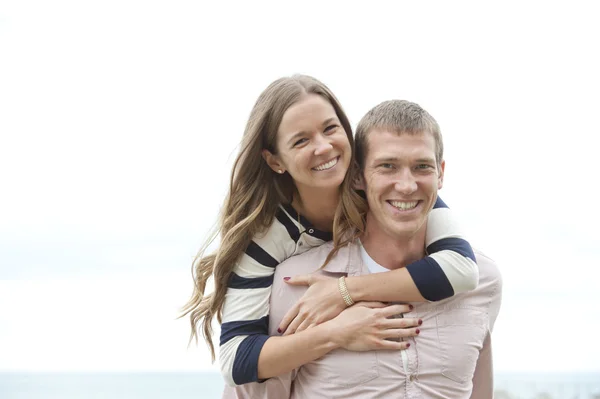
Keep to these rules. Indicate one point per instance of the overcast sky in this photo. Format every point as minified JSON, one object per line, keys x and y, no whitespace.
{"x":119,"y":121}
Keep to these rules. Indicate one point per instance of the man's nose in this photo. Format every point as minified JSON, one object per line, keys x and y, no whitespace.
{"x":406,"y":183}
{"x":323,"y":145}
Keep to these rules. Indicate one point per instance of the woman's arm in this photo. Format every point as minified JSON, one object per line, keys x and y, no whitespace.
{"x":245,"y":312}
{"x":449,"y":269}
{"x":362,"y":327}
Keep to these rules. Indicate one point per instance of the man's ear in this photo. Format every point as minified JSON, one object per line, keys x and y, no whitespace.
{"x":359,"y":182}
{"x":273,"y":161}
{"x":441,"y":174}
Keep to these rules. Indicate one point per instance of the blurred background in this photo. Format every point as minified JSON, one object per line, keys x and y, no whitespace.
{"x":119,"y":122}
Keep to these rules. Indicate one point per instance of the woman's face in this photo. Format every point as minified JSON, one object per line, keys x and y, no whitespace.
{"x":312,"y":145}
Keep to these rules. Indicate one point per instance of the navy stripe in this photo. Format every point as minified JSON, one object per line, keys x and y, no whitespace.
{"x":308,"y":227}
{"x":232,"y":329}
{"x":260,"y":255}
{"x":453,"y":244}
{"x":289,"y":225}
{"x":236,"y":281}
{"x":439,"y":204}
{"x":245,"y":365}
{"x":430,"y":279}
{"x":322,"y":235}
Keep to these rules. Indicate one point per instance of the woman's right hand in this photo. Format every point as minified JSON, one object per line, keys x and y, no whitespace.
{"x":372,"y":326}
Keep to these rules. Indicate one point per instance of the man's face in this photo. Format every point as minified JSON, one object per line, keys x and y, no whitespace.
{"x":401,"y":180}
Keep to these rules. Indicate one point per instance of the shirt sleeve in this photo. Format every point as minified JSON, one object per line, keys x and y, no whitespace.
{"x":483,"y":378}
{"x":245,"y":314}
{"x":450,"y":267}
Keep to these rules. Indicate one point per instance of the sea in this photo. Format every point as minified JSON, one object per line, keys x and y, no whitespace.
{"x":209,"y":385}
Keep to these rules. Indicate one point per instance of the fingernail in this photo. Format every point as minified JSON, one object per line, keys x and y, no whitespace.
{"x":411,"y":307}
{"x":286,"y":278}
{"x":420,"y":321}
{"x":408,"y":345}
{"x":418,"y":331}
{"x":279,"y":330}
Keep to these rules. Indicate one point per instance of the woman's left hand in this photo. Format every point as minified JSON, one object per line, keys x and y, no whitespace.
{"x":320,"y":303}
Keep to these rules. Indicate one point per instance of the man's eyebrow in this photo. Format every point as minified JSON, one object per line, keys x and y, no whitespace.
{"x":396,"y":159}
{"x":385,"y":159}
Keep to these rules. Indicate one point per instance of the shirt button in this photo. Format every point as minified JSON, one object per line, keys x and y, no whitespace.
{"x":300,"y":243}
{"x":412,"y":377}
{"x":311,"y":231}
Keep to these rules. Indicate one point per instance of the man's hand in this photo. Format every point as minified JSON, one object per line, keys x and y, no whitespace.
{"x":320,"y":303}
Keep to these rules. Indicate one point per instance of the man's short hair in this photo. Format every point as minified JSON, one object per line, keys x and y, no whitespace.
{"x":398,"y":116}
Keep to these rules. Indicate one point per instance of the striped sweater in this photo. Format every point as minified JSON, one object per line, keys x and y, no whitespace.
{"x":449,"y":268}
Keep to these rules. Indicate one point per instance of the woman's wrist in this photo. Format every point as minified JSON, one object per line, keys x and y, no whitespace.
{"x":354,"y":289}
{"x":331,"y":333}
{"x":343,"y":289}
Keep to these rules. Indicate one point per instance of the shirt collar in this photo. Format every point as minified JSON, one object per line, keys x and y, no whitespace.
{"x":348,"y":260}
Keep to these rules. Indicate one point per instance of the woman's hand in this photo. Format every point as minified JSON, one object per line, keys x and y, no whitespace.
{"x":372,"y":325}
{"x":320,"y":303}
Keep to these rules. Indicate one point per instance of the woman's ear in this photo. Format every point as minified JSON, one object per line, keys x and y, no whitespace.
{"x":273,"y":161}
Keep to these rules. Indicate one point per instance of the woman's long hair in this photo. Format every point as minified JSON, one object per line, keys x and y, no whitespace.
{"x":255,"y":192}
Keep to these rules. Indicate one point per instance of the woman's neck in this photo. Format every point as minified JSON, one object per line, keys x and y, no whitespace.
{"x":318,"y":206}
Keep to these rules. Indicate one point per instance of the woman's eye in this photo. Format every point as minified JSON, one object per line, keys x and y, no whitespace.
{"x":301,"y":141}
{"x":331,"y":128}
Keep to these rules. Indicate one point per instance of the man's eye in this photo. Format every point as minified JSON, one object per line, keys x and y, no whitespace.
{"x":386,"y":166}
{"x":424,"y":166}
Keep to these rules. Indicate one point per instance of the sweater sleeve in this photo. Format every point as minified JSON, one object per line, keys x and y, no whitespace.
{"x":450,"y":267}
{"x":245,"y":313}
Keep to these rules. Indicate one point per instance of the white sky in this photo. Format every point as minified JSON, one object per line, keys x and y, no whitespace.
{"x":119,"y":121}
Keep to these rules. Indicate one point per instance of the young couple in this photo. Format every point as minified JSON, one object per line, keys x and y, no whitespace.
{"x":340,"y":272}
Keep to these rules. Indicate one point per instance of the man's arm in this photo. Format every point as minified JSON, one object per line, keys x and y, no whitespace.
{"x":483,"y":378}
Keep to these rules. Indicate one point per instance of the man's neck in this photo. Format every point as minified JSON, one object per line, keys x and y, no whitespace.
{"x":392,"y":252}
{"x":317,"y":206}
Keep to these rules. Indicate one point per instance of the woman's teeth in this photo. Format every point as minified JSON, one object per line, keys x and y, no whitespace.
{"x":327,"y":165}
{"x":404,"y":206}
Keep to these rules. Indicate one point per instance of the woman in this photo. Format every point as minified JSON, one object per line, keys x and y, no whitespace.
{"x":286,"y":187}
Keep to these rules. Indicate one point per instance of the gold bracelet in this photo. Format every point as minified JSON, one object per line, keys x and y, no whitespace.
{"x":344,"y":291}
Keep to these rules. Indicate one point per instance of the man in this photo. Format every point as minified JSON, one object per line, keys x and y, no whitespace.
{"x":400,"y":154}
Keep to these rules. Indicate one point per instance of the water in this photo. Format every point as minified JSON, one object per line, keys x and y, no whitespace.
{"x":200,"y":385}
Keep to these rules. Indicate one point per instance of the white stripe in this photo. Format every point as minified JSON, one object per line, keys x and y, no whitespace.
{"x":249,"y":268}
{"x":442,"y":224}
{"x":462,"y":272}
{"x":246,"y":304}
{"x":227,"y":353}
{"x":276,"y":241}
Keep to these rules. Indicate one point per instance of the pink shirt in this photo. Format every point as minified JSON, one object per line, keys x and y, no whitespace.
{"x":450,"y":359}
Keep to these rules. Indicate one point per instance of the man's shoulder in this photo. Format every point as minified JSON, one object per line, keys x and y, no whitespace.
{"x":489,"y":272}
{"x":308,"y":261}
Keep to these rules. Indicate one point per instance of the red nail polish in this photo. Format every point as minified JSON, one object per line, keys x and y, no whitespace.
{"x":407,"y":346}
{"x":418,"y":331}
{"x":286,"y":278}
{"x":420,"y":321}
{"x":411,"y":307}
{"x":279,"y":330}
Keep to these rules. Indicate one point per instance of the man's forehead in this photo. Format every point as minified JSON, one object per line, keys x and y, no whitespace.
{"x":389,"y":144}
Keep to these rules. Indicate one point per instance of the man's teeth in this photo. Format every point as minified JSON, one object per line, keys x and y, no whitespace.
{"x":404,"y":205}
{"x":327,"y":165}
